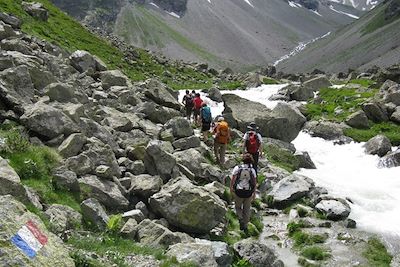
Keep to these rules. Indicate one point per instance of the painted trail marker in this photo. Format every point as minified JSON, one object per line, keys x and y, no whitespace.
{"x":29,"y":239}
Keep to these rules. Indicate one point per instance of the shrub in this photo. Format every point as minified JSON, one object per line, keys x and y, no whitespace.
{"x":114,"y":224}
{"x":377,"y":254}
{"x":315,"y":253}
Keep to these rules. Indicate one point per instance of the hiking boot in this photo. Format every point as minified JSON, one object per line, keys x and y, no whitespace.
{"x":242,"y":226}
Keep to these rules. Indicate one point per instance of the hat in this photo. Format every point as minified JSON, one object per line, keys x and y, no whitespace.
{"x":252,"y":126}
{"x":221,"y":118}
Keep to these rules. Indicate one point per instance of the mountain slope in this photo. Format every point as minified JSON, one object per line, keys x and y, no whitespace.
{"x":236,"y":33}
{"x":372,"y":40}
{"x":359,"y":4}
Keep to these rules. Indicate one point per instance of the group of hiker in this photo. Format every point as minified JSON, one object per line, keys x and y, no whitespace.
{"x":244,"y":176}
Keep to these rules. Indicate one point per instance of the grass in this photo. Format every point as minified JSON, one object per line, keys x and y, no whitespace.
{"x":315,"y":253}
{"x":377,"y":254}
{"x":281,"y":157}
{"x":230,"y":85}
{"x":363,"y":82}
{"x":67,"y":33}
{"x":303,"y":239}
{"x":389,"y":129}
{"x":378,"y":21}
{"x":267,"y":80}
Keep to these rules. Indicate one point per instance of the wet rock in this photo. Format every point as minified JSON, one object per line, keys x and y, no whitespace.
{"x":62,"y":218}
{"x":334,"y":209}
{"x":391,"y":160}
{"x":358,"y":120}
{"x":379,"y":145}
{"x":188,"y":207}
{"x":94,"y":213}
{"x":200,"y":254}
{"x":259,"y":255}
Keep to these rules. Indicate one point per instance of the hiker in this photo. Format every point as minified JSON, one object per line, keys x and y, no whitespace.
{"x":188,"y":103}
{"x":252,"y":144}
{"x":222,"y":136}
{"x":197,"y":101}
{"x":243,"y":188}
{"x":206,"y":119}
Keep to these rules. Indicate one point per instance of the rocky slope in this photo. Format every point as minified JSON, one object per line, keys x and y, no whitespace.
{"x":359,"y":4}
{"x":371,"y":40}
{"x":237,"y":33}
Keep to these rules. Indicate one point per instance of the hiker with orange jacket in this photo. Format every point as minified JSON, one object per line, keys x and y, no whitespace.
{"x":222,"y":137}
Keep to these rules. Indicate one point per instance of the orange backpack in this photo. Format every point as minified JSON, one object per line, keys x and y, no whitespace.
{"x":222,"y":132}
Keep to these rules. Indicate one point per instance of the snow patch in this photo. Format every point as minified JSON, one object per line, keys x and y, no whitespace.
{"x":293,"y":4}
{"x":174,"y":15}
{"x":209,"y":1}
{"x":299,"y":48}
{"x":154,"y":4}
{"x":249,"y":3}
{"x":315,"y":12}
{"x":344,"y":13}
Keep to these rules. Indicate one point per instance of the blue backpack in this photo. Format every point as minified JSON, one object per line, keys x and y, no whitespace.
{"x":206,"y":114}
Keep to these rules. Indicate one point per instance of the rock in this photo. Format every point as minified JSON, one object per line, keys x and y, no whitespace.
{"x":187,"y":142}
{"x":301,"y":93}
{"x":155,"y":235}
{"x":158,"y":92}
{"x":80,"y":164}
{"x":157,"y":113}
{"x":94,"y":213}
{"x":64,"y":179}
{"x":289,"y":189}
{"x":295,"y":120}
{"x":113,"y":78}
{"x":335,"y":209}
{"x":14,"y":22}
{"x":391,"y":160}
{"x":188,"y":207}
{"x":158,"y":161}
{"x":324,"y":129}
{"x":62,"y":218}
{"x":145,"y":185}
{"x":221,"y":250}
{"x":304,"y":160}
{"x":396,"y":115}
{"x":200,"y":254}
{"x":60,"y":92}
{"x":15,"y":219}
{"x":47,"y":121}
{"x":6,"y":31}
{"x":129,"y":229}
{"x":259,"y":255}
{"x":253,"y":80}
{"x":92,"y":129}
{"x":83,"y":61}
{"x":215,"y":94}
{"x":379,"y":145}
{"x":134,"y":214}
{"x":375,"y":112}
{"x":180,"y":127}
{"x":72,"y":145}
{"x":318,"y":83}
{"x":106,"y":192}
{"x":216,"y":188}
{"x":358,"y":120}
{"x":191,"y":159}
{"x":36,"y":10}
{"x":143,"y":208}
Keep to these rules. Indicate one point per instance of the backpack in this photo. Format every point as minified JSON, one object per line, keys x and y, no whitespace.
{"x":189,"y":101}
{"x":252,"y":143}
{"x":244,"y":184}
{"x":223,"y":132}
{"x":206,"y":114}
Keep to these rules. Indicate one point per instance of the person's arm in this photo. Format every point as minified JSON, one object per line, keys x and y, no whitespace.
{"x":184,"y":100}
{"x":253,"y":196}
{"x":261,"y":148}
{"x":233,"y":179}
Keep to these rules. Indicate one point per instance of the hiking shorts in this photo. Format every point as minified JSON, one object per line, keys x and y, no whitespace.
{"x":189,"y":111}
{"x":196,"y":112}
{"x":205,"y":126}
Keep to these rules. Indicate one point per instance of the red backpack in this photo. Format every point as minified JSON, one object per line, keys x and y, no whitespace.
{"x":252,"y":143}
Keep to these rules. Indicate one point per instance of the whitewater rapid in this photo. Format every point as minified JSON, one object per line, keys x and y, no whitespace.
{"x":345,"y":171}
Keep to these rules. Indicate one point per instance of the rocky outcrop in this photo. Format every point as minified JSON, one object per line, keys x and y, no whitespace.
{"x":36,"y":10}
{"x":188,"y":207}
{"x":159,"y":93}
{"x":391,"y":160}
{"x":155,"y":235}
{"x":334,"y":209}
{"x":83,"y":61}
{"x":379,"y":145}
{"x":145,"y":185}
{"x":17,"y":221}
{"x":62,"y":218}
{"x":358,"y":120}
{"x":259,"y":255}
{"x":200,"y":254}
{"x":325,"y":129}
{"x":94,"y":213}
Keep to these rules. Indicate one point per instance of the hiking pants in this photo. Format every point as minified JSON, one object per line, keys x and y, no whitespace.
{"x":255,"y":158}
{"x":242,"y":206}
{"x":219,"y":152}
{"x":189,"y":111}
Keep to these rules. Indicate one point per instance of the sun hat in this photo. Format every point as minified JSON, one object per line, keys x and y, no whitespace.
{"x":220,"y":118}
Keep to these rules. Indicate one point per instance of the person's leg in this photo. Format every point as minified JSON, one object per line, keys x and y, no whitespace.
{"x":246,"y":211}
{"x":217,"y":147}
{"x":222,"y":153}
{"x":255,"y":158}
{"x":238,"y":207}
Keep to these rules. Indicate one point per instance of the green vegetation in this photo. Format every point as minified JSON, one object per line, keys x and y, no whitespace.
{"x":268,"y":80}
{"x":377,"y":254}
{"x":232,"y":85}
{"x":389,"y":129}
{"x":281,"y":157}
{"x":70,"y":35}
{"x":114,"y":224}
{"x":241,"y":263}
{"x":378,"y":21}
{"x":302,"y":212}
{"x":363,"y":82}
{"x":315,"y":253}
{"x":294,"y":227}
{"x":347,"y":99}
{"x":303,"y":239}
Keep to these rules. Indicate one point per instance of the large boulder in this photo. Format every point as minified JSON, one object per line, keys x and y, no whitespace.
{"x":158,"y":161}
{"x":62,"y":218}
{"x":36,"y":10}
{"x":379,"y":145}
{"x":375,"y":112}
{"x":72,"y":145}
{"x":358,"y":120}
{"x":47,"y":121}
{"x":191,"y":159}
{"x":113,"y":78}
{"x":60,"y":92}
{"x":83,"y":61}
{"x":92,"y":129}
{"x":145,"y":185}
{"x":290,"y":189}
{"x":6,"y":31}
{"x":106,"y":192}
{"x":258,"y":254}
{"x":200,"y":254}
{"x":391,"y":160}
{"x":155,"y":235}
{"x":396,"y":115}
{"x":215,"y":94}
{"x":295,"y":120}
{"x":157,"y":113}
{"x":317,"y":83}
{"x":17,"y":225}
{"x":158,"y":92}
{"x":94,"y":213}
{"x":66,"y":180}
{"x":334,"y":209}
{"x":187,"y":206}
{"x":324,"y":129}
{"x":187,"y":142}
{"x":14,"y":22}
{"x":180,"y":127}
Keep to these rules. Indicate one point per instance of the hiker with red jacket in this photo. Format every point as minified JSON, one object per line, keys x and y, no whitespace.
{"x":252,"y":143}
{"x":222,"y":137}
{"x":197,"y":101}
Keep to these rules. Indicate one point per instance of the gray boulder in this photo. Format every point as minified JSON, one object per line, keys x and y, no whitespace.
{"x":200,"y":254}
{"x":129,"y":229}
{"x":317,"y":83}
{"x":83,"y":61}
{"x":36,"y":10}
{"x":158,"y":92}
{"x":145,"y":185}
{"x":290,"y":189}
{"x":358,"y":120}
{"x":304,"y":160}
{"x":300,"y":92}
{"x":62,"y":218}
{"x":94,"y":213}
{"x":191,"y":159}
{"x":375,"y":112}
{"x":379,"y":145}
{"x":258,"y":254}
{"x":324,"y":129}
{"x":155,"y":235}
{"x":6,"y":31}
{"x":113,"y":78}
{"x":92,"y":129}
{"x":215,"y":95}
{"x":396,"y":115}
{"x":158,"y":161}
{"x":64,"y":179}
{"x":188,"y":207}
{"x":334,"y":209}
{"x":180,"y":127}
{"x":80,"y":164}
{"x":47,"y":121}
{"x":14,"y":217}
{"x":157,"y":113}
{"x":106,"y":192}
{"x":60,"y":92}
{"x":134,"y":214}
{"x":391,"y":160}
{"x":14,"y":22}
{"x":72,"y":145}
{"x":295,"y":120}
{"x":222,"y":253}
{"x":187,"y":142}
